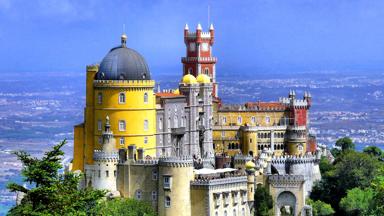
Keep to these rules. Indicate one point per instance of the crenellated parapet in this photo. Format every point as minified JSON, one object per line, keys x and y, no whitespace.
{"x":145,"y":162}
{"x":293,"y":159}
{"x":286,"y":180}
{"x":176,"y":161}
{"x":123,"y":83}
{"x":219,"y":181}
{"x":241,"y":158}
{"x":100,"y":156}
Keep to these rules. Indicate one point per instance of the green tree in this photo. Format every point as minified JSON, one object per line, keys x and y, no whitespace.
{"x":125,"y":207}
{"x":374,"y":151}
{"x":352,"y":169}
{"x":345,"y":143}
{"x":377,"y":204}
{"x":325,"y":165}
{"x":52,"y":193}
{"x":320,"y":208}
{"x":263,"y":201}
{"x":357,"y":201}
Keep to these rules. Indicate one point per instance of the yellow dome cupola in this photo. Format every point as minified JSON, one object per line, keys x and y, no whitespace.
{"x":202,"y":78}
{"x":250,"y":165}
{"x":189,"y":79}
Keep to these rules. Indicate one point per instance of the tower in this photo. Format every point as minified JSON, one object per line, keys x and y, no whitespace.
{"x":199,"y":58}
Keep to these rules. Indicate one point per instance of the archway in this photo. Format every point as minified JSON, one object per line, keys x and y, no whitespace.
{"x":286,"y":204}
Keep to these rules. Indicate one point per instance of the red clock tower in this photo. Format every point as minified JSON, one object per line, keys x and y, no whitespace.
{"x":199,"y":58}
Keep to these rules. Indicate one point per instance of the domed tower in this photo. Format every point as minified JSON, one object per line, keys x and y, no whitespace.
{"x":121,"y":88}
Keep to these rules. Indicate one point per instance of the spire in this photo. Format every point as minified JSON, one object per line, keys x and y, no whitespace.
{"x":124,"y":40}
{"x":211,"y":27}
{"x":199,"y":27}
{"x":186,"y":26}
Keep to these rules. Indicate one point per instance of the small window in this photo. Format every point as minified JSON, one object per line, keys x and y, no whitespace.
{"x":234,"y":212}
{"x":190,"y":70}
{"x":154,"y":175}
{"x":206,"y":71}
{"x":138,"y":194}
{"x":222,"y":133}
{"x":167,"y":182}
{"x":99,"y":125}
{"x":100,"y":140}
{"x":145,"y":97}
{"x":114,"y":173}
{"x":253,"y":119}
{"x":192,"y":47}
{"x":239,"y":120}
{"x":145,"y":125}
{"x":99,"y":98}
{"x":225,"y":213}
{"x":175,"y":122}
{"x":107,"y":173}
{"x":167,"y":203}
{"x":154,"y":195}
{"x":122,"y":98}
{"x":122,"y":141}
{"x":145,"y":140}
{"x":99,"y":173}
{"x":160,"y":123}
{"x":224,"y":120}
{"x":121,"y":125}
{"x":267,"y":119}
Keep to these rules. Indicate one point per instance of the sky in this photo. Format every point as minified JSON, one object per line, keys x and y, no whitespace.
{"x":250,"y":36}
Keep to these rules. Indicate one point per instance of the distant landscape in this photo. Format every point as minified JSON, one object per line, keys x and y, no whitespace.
{"x":39,"y":109}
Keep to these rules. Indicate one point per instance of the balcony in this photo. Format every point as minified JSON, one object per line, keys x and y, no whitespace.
{"x":178,"y":131}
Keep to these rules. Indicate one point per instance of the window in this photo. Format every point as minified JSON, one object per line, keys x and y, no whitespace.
{"x":145,"y":140}
{"x":114,"y":173}
{"x":253,"y":119}
{"x":122,"y":98}
{"x":242,"y":212}
{"x":154,"y":195}
{"x":239,"y":120}
{"x":235,"y":197}
{"x":234,"y":212}
{"x":154,"y":175}
{"x":175,"y":122}
{"x":145,"y":125}
{"x":99,"y":125}
{"x":99,"y":173}
{"x":160,"y":123}
{"x":100,"y":140}
{"x":225,"y":213}
{"x":217,"y":199}
{"x":267,"y":119}
{"x":99,"y":98}
{"x":121,"y":125}
{"x":107,"y":173}
{"x":145,"y":97}
{"x":204,"y":47}
{"x":138,"y":194}
{"x":226,"y":198}
{"x":222,"y":133}
{"x":206,"y":71}
{"x":122,"y":141}
{"x":190,"y":70}
{"x":192,"y":47}
{"x":169,"y":122}
{"x":167,"y":182}
{"x":224,"y":120}
{"x":167,"y":203}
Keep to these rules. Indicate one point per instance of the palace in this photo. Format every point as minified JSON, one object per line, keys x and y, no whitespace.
{"x":184,"y":150}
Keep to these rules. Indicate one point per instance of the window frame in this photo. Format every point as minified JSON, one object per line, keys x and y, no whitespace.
{"x":122,"y":125}
{"x":122,"y":98}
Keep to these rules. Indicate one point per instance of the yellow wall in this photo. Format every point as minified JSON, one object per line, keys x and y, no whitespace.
{"x":78,"y":148}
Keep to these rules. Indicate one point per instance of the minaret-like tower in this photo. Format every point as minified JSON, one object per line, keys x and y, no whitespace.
{"x":199,"y":58}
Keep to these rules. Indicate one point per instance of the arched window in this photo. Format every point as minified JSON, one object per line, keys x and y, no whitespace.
{"x":253,"y":119}
{"x":99,"y":98}
{"x":175,"y":122}
{"x":206,"y":71}
{"x":242,"y":212}
{"x":122,"y":98}
{"x":145,"y":97}
{"x":190,"y":70}
{"x":122,"y":141}
{"x":138,"y":194}
{"x":167,"y":203}
{"x":160,"y":123}
{"x":239,"y":120}
{"x":122,"y":125}
{"x":145,"y":140}
{"x":145,"y":125}
{"x":234,"y":212}
{"x":225,"y":213}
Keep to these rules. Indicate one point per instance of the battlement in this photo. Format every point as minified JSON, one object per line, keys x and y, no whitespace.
{"x":298,"y":103}
{"x":286,"y":180}
{"x":146,"y":162}
{"x":102,"y":156}
{"x":93,"y":67}
{"x":124,"y":83}
{"x":293,"y":159}
{"x":198,"y":59}
{"x":242,"y":158}
{"x":185,"y":161}
{"x":219,"y":181}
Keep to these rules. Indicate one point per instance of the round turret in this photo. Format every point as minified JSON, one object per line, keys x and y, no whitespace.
{"x":250,"y":165}
{"x":202,"y":78}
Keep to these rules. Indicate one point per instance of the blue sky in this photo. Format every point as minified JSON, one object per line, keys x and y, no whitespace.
{"x":251,"y":36}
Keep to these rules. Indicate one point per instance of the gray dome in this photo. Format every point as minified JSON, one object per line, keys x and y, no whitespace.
{"x":122,"y":63}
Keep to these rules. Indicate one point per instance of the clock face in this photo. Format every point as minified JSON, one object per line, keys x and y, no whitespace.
{"x":205,"y":46}
{"x":192,"y":47}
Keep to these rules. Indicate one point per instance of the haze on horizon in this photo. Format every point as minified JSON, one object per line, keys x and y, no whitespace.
{"x":261,"y":35}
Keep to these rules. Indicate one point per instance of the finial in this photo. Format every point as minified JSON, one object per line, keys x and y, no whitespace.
{"x":107,"y":119}
{"x":211,"y":27}
{"x":124,"y":38}
{"x":186,"y":26}
{"x":199,"y":27}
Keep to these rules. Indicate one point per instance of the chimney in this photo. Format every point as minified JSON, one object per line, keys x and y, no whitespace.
{"x":140,"y":154}
{"x":122,"y":155}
